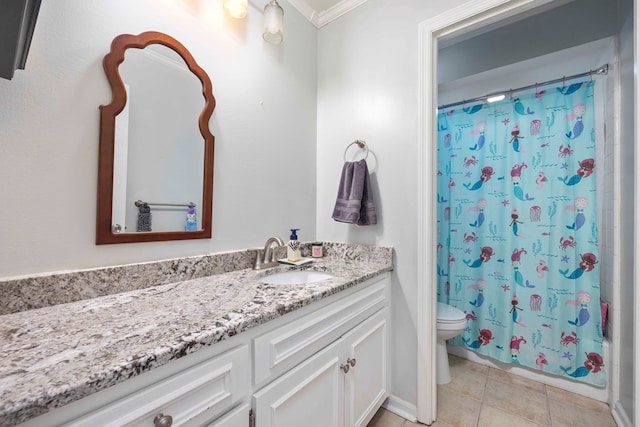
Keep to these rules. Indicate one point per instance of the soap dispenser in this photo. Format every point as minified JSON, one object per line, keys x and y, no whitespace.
{"x":293,"y":247}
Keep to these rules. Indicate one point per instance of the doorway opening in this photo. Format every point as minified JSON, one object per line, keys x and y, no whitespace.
{"x":465,"y":22}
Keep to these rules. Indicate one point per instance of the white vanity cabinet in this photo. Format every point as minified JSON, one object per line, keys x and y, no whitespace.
{"x":325,"y":364}
{"x":343,"y":384}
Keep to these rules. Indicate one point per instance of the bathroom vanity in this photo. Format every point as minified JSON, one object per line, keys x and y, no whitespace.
{"x":218,"y":350}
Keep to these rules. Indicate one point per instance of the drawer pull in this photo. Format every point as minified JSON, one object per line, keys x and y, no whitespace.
{"x":345,"y":368}
{"x":351,"y":362}
{"x":163,"y":420}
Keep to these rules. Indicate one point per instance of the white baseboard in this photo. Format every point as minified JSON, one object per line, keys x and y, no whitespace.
{"x":402,"y":408}
{"x":620,"y":416}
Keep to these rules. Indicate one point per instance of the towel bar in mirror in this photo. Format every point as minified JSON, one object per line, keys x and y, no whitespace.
{"x":154,"y":142}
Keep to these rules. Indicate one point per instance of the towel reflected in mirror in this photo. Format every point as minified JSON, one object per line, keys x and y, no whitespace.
{"x":144,"y":217}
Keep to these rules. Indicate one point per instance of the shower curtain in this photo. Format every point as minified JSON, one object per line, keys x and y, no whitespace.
{"x":517,"y":233}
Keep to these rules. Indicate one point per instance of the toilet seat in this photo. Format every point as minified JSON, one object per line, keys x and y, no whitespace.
{"x":446,"y":313}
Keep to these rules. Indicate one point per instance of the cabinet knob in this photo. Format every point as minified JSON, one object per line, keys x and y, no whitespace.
{"x":163,"y":420}
{"x":351,"y":362}
{"x":345,"y":368}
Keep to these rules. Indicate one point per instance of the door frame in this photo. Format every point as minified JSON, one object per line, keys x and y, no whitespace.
{"x":469,"y":16}
{"x":636,"y":195}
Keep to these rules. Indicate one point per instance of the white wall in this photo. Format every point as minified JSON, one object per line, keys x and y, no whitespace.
{"x":368,"y":89}
{"x":536,"y":35}
{"x":264,"y":124}
{"x":574,"y":60}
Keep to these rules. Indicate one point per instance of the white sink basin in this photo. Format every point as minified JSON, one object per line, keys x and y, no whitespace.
{"x":295,"y":277}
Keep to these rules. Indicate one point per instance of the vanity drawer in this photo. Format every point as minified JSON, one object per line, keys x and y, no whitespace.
{"x":191,"y":397}
{"x":237,"y":417}
{"x":281,"y":349}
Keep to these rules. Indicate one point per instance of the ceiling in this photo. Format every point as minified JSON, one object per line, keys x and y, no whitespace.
{"x":321,"y":12}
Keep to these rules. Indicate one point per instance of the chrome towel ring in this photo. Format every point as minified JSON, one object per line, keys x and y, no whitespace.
{"x":361,"y":144}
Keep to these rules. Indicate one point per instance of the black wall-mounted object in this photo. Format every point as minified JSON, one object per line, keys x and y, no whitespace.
{"x":17,"y":22}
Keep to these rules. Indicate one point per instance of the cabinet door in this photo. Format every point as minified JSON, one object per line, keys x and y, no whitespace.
{"x":238,"y":417}
{"x":367,"y":382}
{"x":310,"y":395}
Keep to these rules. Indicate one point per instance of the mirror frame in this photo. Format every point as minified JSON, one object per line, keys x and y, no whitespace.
{"x":108,"y":114}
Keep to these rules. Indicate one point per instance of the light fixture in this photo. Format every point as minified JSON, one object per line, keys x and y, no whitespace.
{"x":273,"y":16}
{"x":495,"y":98}
{"x":236,"y":8}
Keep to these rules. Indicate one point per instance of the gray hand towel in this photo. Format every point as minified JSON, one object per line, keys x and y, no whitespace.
{"x":368,"y":214}
{"x":355,"y":204}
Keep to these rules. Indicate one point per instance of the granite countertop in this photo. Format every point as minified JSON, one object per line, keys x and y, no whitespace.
{"x":55,"y":355}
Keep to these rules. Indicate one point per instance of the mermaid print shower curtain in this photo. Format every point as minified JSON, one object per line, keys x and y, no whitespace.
{"x":517,"y":230}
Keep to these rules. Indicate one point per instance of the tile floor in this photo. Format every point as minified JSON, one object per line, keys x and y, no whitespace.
{"x":486,"y":397}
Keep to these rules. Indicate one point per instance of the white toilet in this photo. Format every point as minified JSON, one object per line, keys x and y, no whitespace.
{"x":450,"y":323}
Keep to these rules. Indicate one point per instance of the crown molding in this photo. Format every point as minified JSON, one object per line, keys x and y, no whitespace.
{"x":303,"y":7}
{"x":323,"y":17}
{"x":336,"y":11}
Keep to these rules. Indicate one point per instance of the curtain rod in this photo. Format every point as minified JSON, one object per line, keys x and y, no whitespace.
{"x":599,"y":71}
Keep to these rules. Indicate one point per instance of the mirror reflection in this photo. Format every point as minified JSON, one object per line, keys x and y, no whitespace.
{"x":159,"y":152}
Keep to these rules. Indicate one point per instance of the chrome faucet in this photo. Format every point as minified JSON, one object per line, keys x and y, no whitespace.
{"x":268,"y":258}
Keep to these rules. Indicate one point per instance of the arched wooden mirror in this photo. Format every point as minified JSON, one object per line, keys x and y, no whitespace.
{"x":155,"y":170}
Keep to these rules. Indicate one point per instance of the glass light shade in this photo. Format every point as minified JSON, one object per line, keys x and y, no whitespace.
{"x":273,"y":18}
{"x":236,"y":8}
